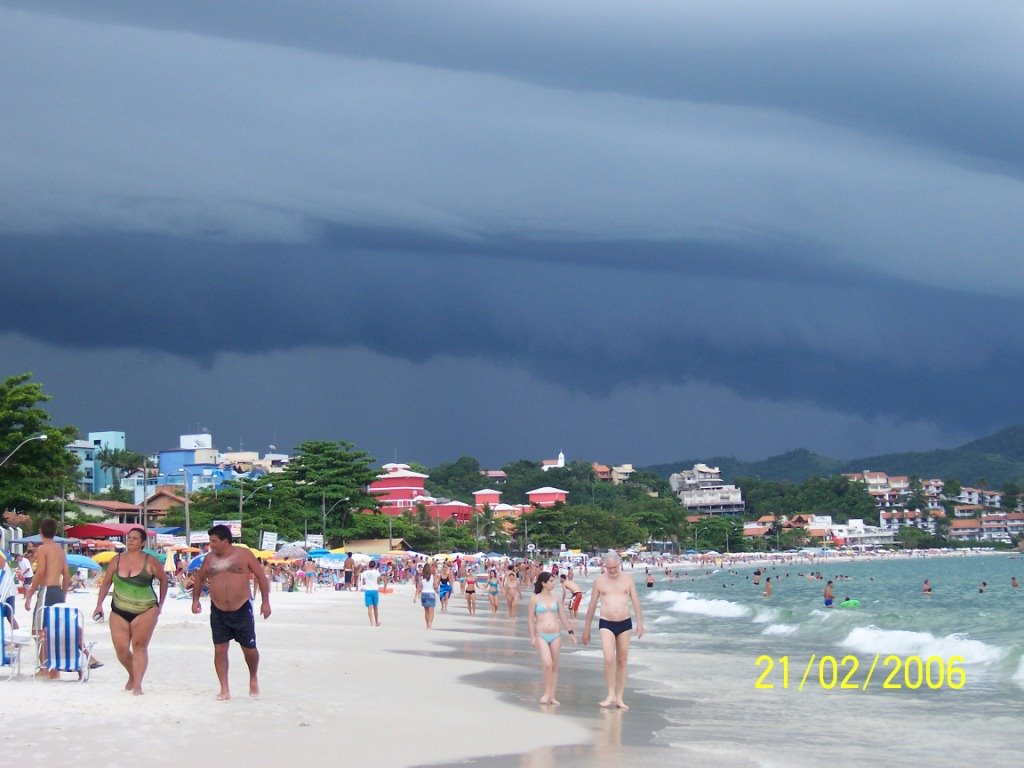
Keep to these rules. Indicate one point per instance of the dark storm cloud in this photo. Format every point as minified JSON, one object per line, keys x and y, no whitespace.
{"x":813,"y":211}
{"x":933,"y":75}
{"x":825,"y":338}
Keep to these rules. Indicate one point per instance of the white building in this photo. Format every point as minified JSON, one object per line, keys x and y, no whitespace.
{"x":701,"y":490}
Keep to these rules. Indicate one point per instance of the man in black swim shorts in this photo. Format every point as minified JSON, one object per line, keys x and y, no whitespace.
{"x":228,"y":569}
{"x":615,"y":591}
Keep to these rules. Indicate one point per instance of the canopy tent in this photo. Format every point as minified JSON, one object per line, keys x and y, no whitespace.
{"x":38,"y":539}
{"x":374,"y":546}
{"x":102,"y":530}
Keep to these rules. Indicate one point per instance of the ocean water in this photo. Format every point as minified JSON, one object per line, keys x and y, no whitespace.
{"x":692,"y":688}
{"x":707,"y":631}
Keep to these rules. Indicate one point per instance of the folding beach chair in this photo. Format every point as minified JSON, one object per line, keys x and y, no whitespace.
{"x":10,"y":646}
{"x":62,"y":646}
{"x":10,"y":652}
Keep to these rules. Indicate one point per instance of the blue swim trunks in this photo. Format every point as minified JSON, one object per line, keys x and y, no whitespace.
{"x":828,"y":602}
{"x":371,"y":597}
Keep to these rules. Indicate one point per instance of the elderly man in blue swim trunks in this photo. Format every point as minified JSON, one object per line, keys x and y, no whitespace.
{"x":615,"y":591}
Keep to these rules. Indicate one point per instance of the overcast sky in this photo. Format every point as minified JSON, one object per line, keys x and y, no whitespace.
{"x":629,"y":232}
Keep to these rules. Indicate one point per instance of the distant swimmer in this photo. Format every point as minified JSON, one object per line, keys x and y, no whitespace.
{"x":927,"y":588}
{"x":829,"y":595}
{"x":1014,"y":583}
{"x":768,"y":587}
{"x":983,"y":587}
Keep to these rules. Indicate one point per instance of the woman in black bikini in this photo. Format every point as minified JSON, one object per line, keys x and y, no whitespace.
{"x":470,"y":591}
{"x":135,"y":607}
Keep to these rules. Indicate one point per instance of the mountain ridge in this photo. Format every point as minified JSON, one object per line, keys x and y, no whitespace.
{"x":992,"y":460}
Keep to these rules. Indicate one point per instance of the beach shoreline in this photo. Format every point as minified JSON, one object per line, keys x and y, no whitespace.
{"x":329,"y":682}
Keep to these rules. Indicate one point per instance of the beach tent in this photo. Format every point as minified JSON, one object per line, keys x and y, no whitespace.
{"x":102,"y":530}
{"x":38,"y":539}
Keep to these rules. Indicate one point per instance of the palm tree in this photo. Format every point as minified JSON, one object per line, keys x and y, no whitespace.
{"x":487,"y":525}
{"x":112,"y":459}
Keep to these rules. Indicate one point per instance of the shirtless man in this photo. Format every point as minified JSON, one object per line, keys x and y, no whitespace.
{"x":228,"y":568}
{"x":571,"y":594}
{"x":829,"y":594}
{"x":614,"y":591}
{"x":349,"y":568}
{"x":51,"y":580}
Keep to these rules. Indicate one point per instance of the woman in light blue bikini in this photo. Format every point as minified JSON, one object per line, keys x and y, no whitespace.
{"x":546,"y":617}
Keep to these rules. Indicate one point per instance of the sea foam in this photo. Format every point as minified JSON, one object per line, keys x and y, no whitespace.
{"x":1019,"y":677}
{"x":780,"y":629}
{"x":687,"y":602}
{"x":871,"y":639}
{"x":766,"y":615}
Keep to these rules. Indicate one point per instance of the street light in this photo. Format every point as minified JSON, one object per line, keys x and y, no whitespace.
{"x":242,"y":499}
{"x":324,"y":512}
{"x":41,"y":437}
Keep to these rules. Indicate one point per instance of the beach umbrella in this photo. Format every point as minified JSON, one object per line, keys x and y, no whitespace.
{"x":99,"y":544}
{"x":158,"y":556}
{"x":81,"y":561}
{"x":333,"y":564}
{"x":361,"y":558}
{"x":195,"y":562}
{"x":319,"y":552}
{"x":493,"y":555}
{"x":104,"y":557}
{"x":291,"y":552}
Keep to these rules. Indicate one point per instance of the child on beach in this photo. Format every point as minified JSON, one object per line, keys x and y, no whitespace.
{"x":545,"y":619}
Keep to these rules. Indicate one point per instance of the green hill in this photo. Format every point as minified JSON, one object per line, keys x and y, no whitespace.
{"x":995,"y":460}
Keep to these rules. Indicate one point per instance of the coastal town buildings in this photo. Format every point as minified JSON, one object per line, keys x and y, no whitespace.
{"x":702,"y":490}
{"x":558,"y":463}
{"x":923,"y":519}
{"x":398,"y":490}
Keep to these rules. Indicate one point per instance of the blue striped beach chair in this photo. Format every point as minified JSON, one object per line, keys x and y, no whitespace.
{"x":10,"y":653}
{"x":61,"y":644}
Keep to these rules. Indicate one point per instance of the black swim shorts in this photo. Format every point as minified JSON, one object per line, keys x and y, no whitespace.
{"x":233,"y":625}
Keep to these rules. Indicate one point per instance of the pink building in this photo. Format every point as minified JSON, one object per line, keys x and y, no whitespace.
{"x":458,"y":511}
{"x":398,"y":488}
{"x":546,"y":496}
{"x":485,"y":497}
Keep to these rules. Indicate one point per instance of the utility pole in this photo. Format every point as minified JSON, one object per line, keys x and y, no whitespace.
{"x":323,"y":517}
{"x":145,"y":498}
{"x":188,"y":522}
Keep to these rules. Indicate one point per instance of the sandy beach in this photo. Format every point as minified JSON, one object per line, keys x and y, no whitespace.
{"x":331,"y":686}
